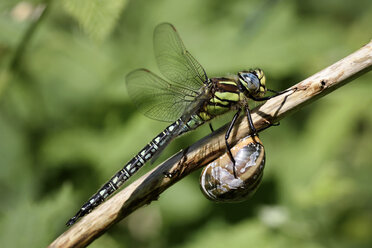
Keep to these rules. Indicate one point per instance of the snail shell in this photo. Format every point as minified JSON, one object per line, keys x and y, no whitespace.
{"x":217,"y":180}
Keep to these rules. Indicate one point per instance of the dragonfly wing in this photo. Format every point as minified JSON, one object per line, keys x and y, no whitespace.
{"x":190,"y":110}
{"x":174,"y":61}
{"x":157,"y":98}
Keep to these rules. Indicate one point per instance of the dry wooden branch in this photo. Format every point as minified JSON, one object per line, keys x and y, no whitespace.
{"x":148,"y":187}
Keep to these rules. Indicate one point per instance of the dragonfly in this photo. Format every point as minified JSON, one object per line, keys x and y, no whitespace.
{"x":185,"y":96}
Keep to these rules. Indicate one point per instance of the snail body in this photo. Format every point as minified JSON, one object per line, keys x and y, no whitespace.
{"x":217,"y":180}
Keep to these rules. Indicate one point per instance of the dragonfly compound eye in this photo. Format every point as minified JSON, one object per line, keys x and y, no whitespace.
{"x":250,"y":81}
{"x":218,"y":182}
{"x":261,"y":76}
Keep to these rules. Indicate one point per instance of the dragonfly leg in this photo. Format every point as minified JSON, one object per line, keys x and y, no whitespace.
{"x":227,"y":135}
{"x":261,"y":99}
{"x":269,"y":125}
{"x":277,"y":93}
{"x":250,"y":122}
{"x":210,"y":126}
{"x":251,"y":126}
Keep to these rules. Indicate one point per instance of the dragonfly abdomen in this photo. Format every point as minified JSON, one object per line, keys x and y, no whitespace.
{"x":148,"y":152}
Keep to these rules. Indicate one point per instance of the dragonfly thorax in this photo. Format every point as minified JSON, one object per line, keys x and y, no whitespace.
{"x":253,"y":82}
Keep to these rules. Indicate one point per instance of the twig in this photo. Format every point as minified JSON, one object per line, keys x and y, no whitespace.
{"x":148,"y":187}
{"x":30,"y":32}
{"x":38,"y":15}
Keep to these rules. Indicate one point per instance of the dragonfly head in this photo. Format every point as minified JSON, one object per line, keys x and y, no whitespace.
{"x":254,"y":81}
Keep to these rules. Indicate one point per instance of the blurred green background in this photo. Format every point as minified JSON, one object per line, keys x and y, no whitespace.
{"x":67,"y":124}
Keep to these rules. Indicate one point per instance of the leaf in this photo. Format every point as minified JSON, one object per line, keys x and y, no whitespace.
{"x":96,"y":17}
{"x":36,"y":223}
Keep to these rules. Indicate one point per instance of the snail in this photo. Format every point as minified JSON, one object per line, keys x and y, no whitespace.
{"x":217,"y":180}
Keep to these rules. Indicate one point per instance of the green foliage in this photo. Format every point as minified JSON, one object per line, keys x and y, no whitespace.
{"x":96,"y":17}
{"x":67,"y":124}
{"x":46,"y":214}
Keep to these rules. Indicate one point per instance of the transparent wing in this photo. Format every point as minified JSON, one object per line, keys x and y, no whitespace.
{"x":157,"y":98}
{"x":174,"y":61}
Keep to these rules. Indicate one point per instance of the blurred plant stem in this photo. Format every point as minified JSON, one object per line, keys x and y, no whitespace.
{"x":37,"y":16}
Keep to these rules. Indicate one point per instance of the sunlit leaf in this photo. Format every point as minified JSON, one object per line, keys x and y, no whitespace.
{"x":96,"y":17}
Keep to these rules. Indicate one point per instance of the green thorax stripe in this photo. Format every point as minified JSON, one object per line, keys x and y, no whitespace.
{"x":226,"y":91}
{"x":225,"y":94}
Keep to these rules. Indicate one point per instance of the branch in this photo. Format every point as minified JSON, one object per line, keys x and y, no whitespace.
{"x":148,"y":188}
{"x":38,"y":15}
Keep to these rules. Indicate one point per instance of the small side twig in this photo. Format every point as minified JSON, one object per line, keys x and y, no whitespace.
{"x":41,"y":10}
{"x":151,"y":185}
{"x":6,"y":73}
